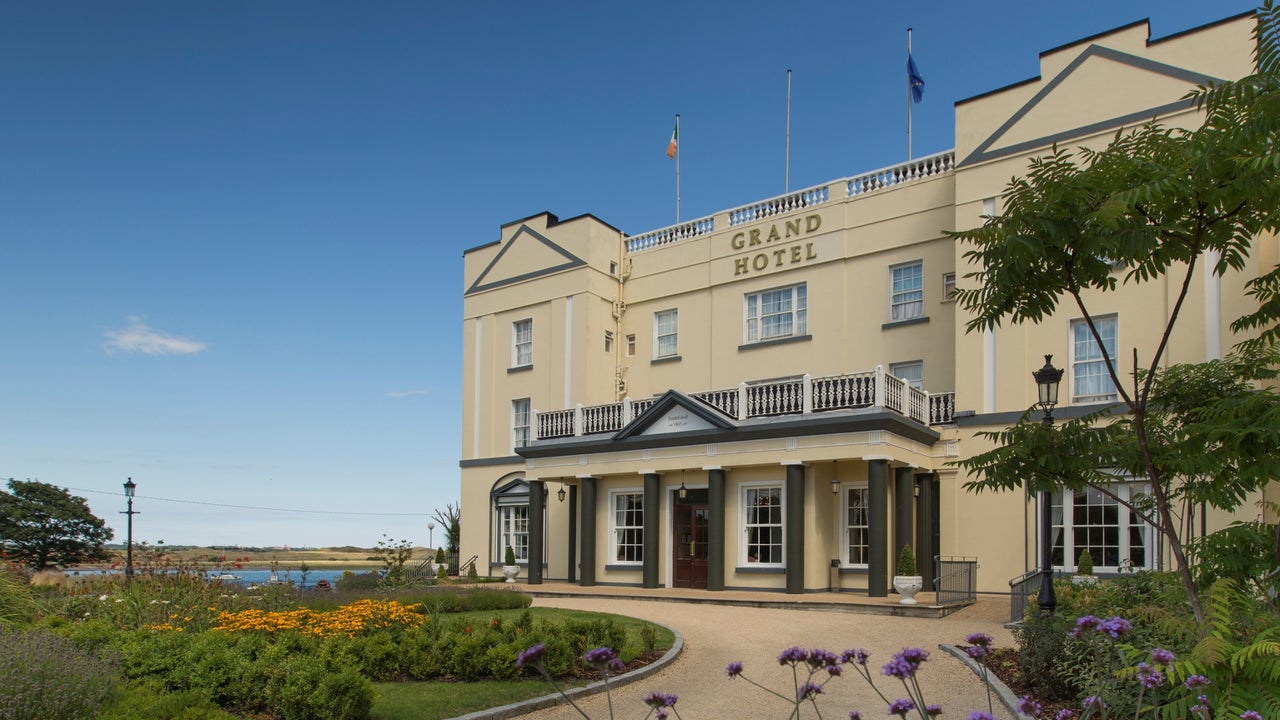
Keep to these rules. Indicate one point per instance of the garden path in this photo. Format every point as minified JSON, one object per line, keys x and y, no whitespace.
{"x":717,"y":635}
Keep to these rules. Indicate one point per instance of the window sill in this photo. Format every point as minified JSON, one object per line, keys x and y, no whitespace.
{"x":633,"y":568}
{"x":519,"y":368}
{"x":758,"y":570}
{"x":904,"y":323}
{"x":775,"y":341}
{"x":667,"y":359}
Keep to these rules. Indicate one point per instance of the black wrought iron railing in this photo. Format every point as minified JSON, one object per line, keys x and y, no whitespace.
{"x":1021,"y":590}
{"x":956,"y":579}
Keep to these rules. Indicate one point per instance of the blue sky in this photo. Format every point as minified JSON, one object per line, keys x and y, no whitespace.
{"x":231,"y":233}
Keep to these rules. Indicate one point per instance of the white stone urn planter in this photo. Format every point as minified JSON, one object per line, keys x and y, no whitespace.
{"x":1084,"y":579}
{"x":908,"y":586}
{"x":510,"y":572}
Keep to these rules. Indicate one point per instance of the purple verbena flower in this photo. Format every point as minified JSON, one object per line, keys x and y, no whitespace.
{"x":1162,"y":657}
{"x":1117,"y":627}
{"x":532,"y":656}
{"x":1084,"y":624}
{"x":915,"y":656}
{"x":616,"y":665}
{"x":980,"y":716}
{"x":980,"y":639}
{"x":858,"y":656}
{"x":855,"y":715}
{"x":792,"y":655}
{"x":1195,"y":681}
{"x":898,"y":667}
{"x":834,"y":670}
{"x":1149,"y":677}
{"x":600,"y":657}
{"x":1065,"y":714}
{"x":933,"y":710}
{"x":977,"y":652}
{"x":808,"y":690}
{"x":1028,"y":706}
{"x":660,"y":714}
{"x":659,"y":700}
{"x":1250,"y":715}
{"x":734,"y":669}
{"x":1093,"y":701}
{"x":821,"y":658}
{"x":901,"y":707}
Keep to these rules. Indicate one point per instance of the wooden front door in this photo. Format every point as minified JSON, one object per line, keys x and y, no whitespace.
{"x":690,"y":541}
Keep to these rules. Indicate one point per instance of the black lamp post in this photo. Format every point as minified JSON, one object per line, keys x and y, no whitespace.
{"x":1047,"y":379}
{"x":129,"y":487}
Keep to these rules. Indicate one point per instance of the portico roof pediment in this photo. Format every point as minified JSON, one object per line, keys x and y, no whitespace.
{"x":528,"y":254}
{"x":675,"y":412}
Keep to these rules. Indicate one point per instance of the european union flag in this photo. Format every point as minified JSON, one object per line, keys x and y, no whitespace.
{"x":914,"y":81}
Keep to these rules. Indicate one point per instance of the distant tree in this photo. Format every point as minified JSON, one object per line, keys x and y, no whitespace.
{"x":450,"y":519}
{"x":42,"y":526}
{"x":394,"y":555}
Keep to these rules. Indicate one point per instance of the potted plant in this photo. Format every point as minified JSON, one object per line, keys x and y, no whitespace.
{"x":908,"y":580}
{"x":510,"y":570}
{"x":1084,"y":569}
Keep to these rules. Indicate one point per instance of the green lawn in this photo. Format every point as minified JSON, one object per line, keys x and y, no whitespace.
{"x":428,"y":700}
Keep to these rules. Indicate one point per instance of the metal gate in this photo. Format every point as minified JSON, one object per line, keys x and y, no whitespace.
{"x":956,"y":580}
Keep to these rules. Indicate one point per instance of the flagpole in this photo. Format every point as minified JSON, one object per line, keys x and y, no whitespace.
{"x":786,"y":179}
{"x":909,"y":98}
{"x":678,"y":144}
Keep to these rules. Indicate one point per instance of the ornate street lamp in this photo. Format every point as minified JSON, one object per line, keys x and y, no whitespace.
{"x":431,"y":535}
{"x":835,"y":480}
{"x":561,"y":493}
{"x":1047,"y":379}
{"x":129,"y":487}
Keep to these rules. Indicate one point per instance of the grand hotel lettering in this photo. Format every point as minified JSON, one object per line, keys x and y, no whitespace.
{"x":775,"y":257}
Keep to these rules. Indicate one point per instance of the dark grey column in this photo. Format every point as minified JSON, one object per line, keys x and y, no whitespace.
{"x":927,"y":529}
{"x":794,"y":531}
{"x":573,"y":533}
{"x":715,"y":530}
{"x":588,"y":532}
{"x":878,"y":528}
{"x":903,"y":503}
{"x":537,"y":529}
{"x":652,"y":499}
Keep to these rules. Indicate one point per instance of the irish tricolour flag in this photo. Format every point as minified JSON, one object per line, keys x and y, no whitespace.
{"x":675,"y":140}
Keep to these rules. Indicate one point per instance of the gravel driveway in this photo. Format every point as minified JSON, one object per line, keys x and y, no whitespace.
{"x":717,"y":635}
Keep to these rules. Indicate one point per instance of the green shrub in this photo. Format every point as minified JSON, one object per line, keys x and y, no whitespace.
{"x":1041,"y":643}
{"x":649,"y":637}
{"x":472,"y":573}
{"x":358,"y":582}
{"x":1084,"y":564}
{"x":510,"y":557}
{"x":153,"y":701}
{"x":17,"y":604}
{"x":439,"y":556}
{"x":47,"y":677}
{"x":907,"y":562}
{"x":442,"y":573}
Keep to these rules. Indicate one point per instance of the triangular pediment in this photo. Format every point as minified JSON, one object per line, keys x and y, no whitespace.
{"x":1101,"y":89}
{"x":676,"y":412}
{"x":528,"y":254}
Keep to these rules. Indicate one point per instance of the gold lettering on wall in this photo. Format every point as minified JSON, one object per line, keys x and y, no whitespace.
{"x":777,"y":258}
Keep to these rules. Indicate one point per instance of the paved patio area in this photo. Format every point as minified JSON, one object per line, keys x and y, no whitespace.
{"x":720,"y":630}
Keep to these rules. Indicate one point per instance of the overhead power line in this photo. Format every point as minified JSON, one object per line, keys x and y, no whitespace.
{"x":255,"y":507}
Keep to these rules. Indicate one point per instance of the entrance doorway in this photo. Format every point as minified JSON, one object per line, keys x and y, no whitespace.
{"x":690,"y":543}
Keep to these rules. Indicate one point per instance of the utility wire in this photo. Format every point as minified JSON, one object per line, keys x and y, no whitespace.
{"x":254,"y":507}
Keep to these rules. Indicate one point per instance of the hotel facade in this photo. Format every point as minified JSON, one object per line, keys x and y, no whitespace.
{"x":772,"y":397}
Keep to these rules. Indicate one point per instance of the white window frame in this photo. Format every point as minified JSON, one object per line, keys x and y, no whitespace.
{"x":522,"y":343}
{"x":754,"y":315}
{"x":673,"y":336}
{"x":608,"y":341}
{"x":631,"y":344}
{"x":847,"y":527}
{"x":948,"y":287}
{"x":744,"y":493}
{"x":1080,"y":329}
{"x":897,"y":370}
{"x":512,"y":524}
{"x":906,"y":293}
{"x":521,"y":423}
{"x":617,"y":529}
{"x":1128,"y":525}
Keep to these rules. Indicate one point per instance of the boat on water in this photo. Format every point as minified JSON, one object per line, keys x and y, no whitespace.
{"x":226,"y":576}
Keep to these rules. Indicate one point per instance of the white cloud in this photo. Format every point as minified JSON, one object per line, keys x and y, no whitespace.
{"x":405,"y":393}
{"x":139,"y":338}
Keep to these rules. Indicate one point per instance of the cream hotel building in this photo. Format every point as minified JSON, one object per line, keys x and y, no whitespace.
{"x":770,"y":397}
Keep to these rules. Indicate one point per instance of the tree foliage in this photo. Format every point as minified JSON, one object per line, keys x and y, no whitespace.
{"x":42,"y":526}
{"x":451,"y":520}
{"x":1152,"y":206}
